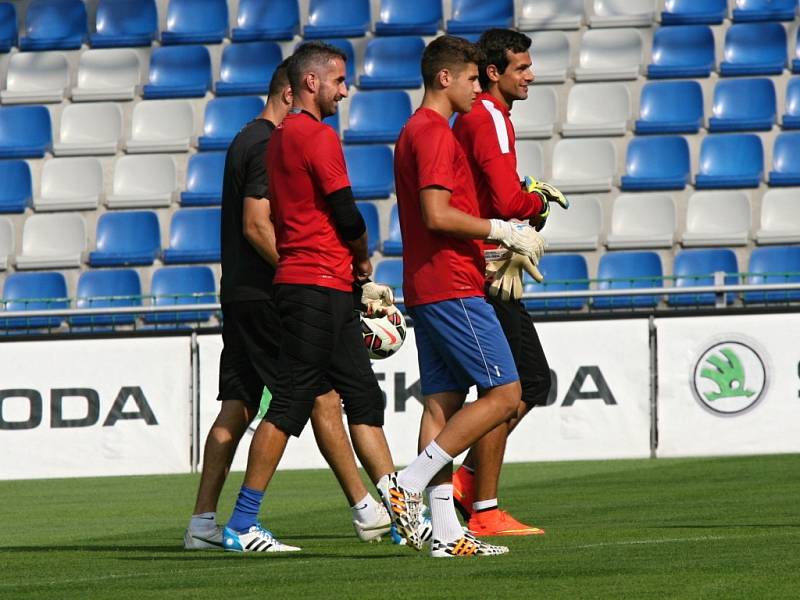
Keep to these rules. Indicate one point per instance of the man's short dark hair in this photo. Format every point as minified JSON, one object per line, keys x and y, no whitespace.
{"x":496,"y":44}
{"x":309,"y":56}
{"x":448,"y":52}
{"x":280,"y":79}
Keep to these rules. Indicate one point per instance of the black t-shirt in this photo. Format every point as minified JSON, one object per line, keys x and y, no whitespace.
{"x":245,"y":275}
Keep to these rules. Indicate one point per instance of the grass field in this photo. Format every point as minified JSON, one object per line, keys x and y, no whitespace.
{"x":694,"y":528}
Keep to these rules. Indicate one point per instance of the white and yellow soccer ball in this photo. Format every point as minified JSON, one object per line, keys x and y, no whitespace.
{"x":383,"y":336}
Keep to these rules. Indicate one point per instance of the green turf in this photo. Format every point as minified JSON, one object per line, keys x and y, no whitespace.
{"x":694,"y":528}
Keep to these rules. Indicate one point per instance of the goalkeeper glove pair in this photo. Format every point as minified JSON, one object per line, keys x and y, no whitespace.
{"x":504,"y":269}
{"x":548,"y":194}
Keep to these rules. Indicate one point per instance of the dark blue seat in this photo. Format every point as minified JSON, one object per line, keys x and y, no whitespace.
{"x":266,"y":20}
{"x":16,"y":192}
{"x":333,"y":122}
{"x":204,"y":179}
{"x":730,"y":161}
{"x":370,"y":214}
{"x":628,"y":270}
{"x":34,"y":291}
{"x":393,"y":245}
{"x":25,"y":131}
{"x":392,"y":63}
{"x":409,"y":17}
{"x":774,"y":265}
{"x":8,"y":26}
{"x":173,"y":286}
{"x":377,"y":117}
{"x":337,"y":18}
{"x":108,"y":288}
{"x":743,"y":105}
{"x":247,"y":68}
{"x":54,"y":25}
{"x":764,"y":10}
{"x":796,"y":59}
{"x":178,"y":72}
{"x":347,"y":47}
{"x":686,"y":12}
{"x":475,"y":16}
{"x":224,"y":118}
{"x":670,"y":107}
{"x":682,"y":51}
{"x":694,"y":268}
{"x":562,"y":273}
{"x":371,"y":170}
{"x":786,"y":159}
{"x":656,"y":163}
{"x":126,"y":238}
{"x":194,"y":236}
{"x":754,"y":49}
{"x":125,"y":23}
{"x":196,"y":22}
{"x":791,"y":118}
{"x":389,"y":272}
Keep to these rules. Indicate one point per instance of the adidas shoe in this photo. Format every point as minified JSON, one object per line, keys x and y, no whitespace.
{"x":425,"y":532}
{"x":466,"y":545}
{"x":405,"y":508}
{"x":203,"y":540}
{"x":256,"y":539}
{"x":374,"y":530}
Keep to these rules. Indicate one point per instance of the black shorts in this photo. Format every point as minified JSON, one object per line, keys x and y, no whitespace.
{"x":322,"y":346}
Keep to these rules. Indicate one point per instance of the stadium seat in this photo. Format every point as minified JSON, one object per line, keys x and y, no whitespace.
{"x":337,"y":18}
{"x":180,"y":286}
{"x":124,"y":23}
{"x":107,"y":288}
{"x":608,"y":54}
{"x":786,"y":159}
{"x":562,"y":273}
{"x":8,"y":26}
{"x":371,"y":170}
{"x":670,"y":107}
{"x":780,"y":218}
{"x":377,"y":117}
{"x":622,"y":13}
{"x":775,"y":265}
{"x":643,"y":221}
{"x":717,"y":219}
{"x":178,"y":72}
{"x":392,"y":63}
{"x":89,"y":129}
{"x":577,"y":228}
{"x":370,"y":214}
{"x":333,"y":122}
{"x":791,"y":118}
{"x":754,"y":49}
{"x":143,"y":181}
{"x":537,"y":117}
{"x":16,"y":193}
{"x":763,"y":10}
{"x":585,"y":165}
{"x":530,"y":159}
{"x":628,"y":270}
{"x":409,"y":17}
{"x":730,"y":161}
{"x":36,"y":77}
{"x":70,"y":184}
{"x":552,"y":52}
{"x":743,"y":105}
{"x":224,"y":118}
{"x":204,"y":179}
{"x":389,"y":272}
{"x":161,"y":126}
{"x":34,"y":291}
{"x":196,"y":22}
{"x":25,"y":132}
{"x":52,"y":242}
{"x":682,"y":51}
{"x":475,"y":16}
{"x":247,"y":68}
{"x":194,"y":236}
{"x":266,"y":20}
{"x":551,"y":14}
{"x":597,"y":109}
{"x":7,"y":241}
{"x":689,"y":12}
{"x":656,"y":163}
{"x":107,"y":75}
{"x":393,"y":245}
{"x":126,"y":238}
{"x":693,"y":268}
{"x":796,"y":60}
{"x":54,"y":25}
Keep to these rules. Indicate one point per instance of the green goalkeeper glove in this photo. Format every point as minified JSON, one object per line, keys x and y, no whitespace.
{"x":548,"y":194}
{"x":506,"y":274}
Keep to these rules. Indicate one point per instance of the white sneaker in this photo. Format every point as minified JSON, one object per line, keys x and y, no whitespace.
{"x":425,"y":532}
{"x":467,"y":545}
{"x":374,"y":530}
{"x":203,"y":540}
{"x":405,"y":508}
{"x":256,"y":539}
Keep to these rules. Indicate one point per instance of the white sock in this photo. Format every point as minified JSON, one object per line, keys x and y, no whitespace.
{"x":416,"y":476}
{"x":484,"y":504}
{"x":446,"y":526}
{"x":203,"y":521}
{"x":364,"y":510}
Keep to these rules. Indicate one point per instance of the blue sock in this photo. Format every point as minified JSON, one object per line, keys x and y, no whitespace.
{"x":245,"y":513}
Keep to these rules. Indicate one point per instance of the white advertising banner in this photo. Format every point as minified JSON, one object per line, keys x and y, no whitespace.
{"x":728,"y":385}
{"x":80,"y":408}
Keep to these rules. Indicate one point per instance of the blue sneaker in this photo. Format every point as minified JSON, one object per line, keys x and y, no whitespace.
{"x":255,"y":539}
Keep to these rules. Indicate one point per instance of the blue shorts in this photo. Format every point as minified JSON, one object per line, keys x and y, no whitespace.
{"x":460,"y":344}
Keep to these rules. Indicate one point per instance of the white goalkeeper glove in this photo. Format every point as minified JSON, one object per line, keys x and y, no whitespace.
{"x":377,"y":299}
{"x":548,"y":194}
{"x":517,"y":237}
{"x":506,"y":274}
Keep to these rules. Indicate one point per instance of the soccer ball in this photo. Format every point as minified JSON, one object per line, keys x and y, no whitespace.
{"x":384,"y":335}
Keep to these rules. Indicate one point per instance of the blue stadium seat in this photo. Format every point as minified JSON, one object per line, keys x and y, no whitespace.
{"x":393,"y":245}
{"x":125,"y":23}
{"x":764,"y":10}
{"x":389,"y":272}
{"x":682,"y":51}
{"x":371,"y":170}
{"x":333,"y":122}
{"x":730,"y":161}
{"x":179,"y":286}
{"x":796,"y":59}
{"x":54,"y":25}
{"x":204,"y":179}
{"x":126,"y":238}
{"x":337,"y":18}
{"x":247,"y":68}
{"x":774,"y":265}
{"x":178,"y":72}
{"x":25,"y":132}
{"x":16,"y":193}
{"x":409,"y":17}
{"x":224,"y":118}
{"x":377,"y":116}
{"x":194,"y":236}
{"x":670,"y":107}
{"x":8,"y":26}
{"x":743,"y":105}
{"x":694,"y":268}
{"x":370,"y":213}
{"x":475,"y":16}
{"x":656,"y":163}
{"x":687,"y":12}
{"x":347,"y":47}
{"x":392,"y":63}
{"x":34,"y":291}
{"x":108,"y":288}
{"x":628,"y":270}
{"x":754,"y":49}
{"x":562,"y":273}
{"x":791,"y":118}
{"x":266,"y":20}
{"x":196,"y":22}
{"x":786,"y":159}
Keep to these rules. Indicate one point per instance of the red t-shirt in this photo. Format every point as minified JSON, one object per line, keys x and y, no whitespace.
{"x":305,"y":163}
{"x":435,"y":267}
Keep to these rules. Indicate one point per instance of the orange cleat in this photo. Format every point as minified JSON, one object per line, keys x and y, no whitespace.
{"x":464,"y":492}
{"x":499,"y":522}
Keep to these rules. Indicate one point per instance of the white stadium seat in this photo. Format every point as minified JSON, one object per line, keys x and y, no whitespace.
{"x":89,"y":129}
{"x":530,"y":159}
{"x":7,"y":242}
{"x":780,"y":217}
{"x":112,"y":74}
{"x":144,"y":181}
{"x":550,"y":14}
{"x":162,"y":126}
{"x":597,"y":109}
{"x":643,"y":221}
{"x":719,"y":218}
{"x":551,"y":56}
{"x":70,"y":184}
{"x":52,"y":242}
{"x":609,"y":54}
{"x":36,"y":77}
{"x":622,"y":13}
{"x":536,"y":117}
{"x":584,"y":165}
{"x":577,"y":228}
